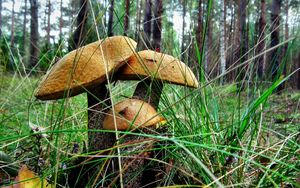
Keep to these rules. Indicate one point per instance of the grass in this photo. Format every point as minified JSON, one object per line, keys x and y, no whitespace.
{"x":216,"y":137}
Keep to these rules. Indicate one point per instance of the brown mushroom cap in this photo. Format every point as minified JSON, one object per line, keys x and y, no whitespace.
{"x":85,"y":67}
{"x":130,"y":114}
{"x":158,"y":66}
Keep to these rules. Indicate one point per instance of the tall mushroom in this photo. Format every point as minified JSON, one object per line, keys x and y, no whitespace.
{"x":151,"y":67}
{"x":87,"y":69}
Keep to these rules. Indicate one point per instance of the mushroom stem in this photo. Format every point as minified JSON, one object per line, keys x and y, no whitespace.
{"x":149,"y":91}
{"x":98,"y":99}
{"x":98,"y":105}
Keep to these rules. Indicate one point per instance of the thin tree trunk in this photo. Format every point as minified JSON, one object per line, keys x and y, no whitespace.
{"x":0,"y":18}
{"x":139,"y":5}
{"x":286,"y":20}
{"x":222,"y":41}
{"x":225,"y":24}
{"x":285,"y":56}
{"x":199,"y":36}
{"x":156,"y":43}
{"x":11,"y":64}
{"x":145,"y":42}
{"x":242,"y":49}
{"x":34,"y":34}
{"x":274,"y":57}
{"x":126,"y":17}
{"x":209,"y":40}
{"x":138,"y":31}
{"x":261,"y":41}
{"x":183,"y":28}
{"x":80,"y":32}
{"x":24,"y":30}
{"x":48,"y":22}
{"x":60,"y":20}
{"x":231,"y":41}
{"x":12,"y":28}
{"x":73,"y":13}
{"x":110,"y":19}
{"x":298,"y":82}
{"x":105,"y":15}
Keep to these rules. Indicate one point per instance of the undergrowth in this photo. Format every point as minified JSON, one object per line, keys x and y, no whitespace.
{"x":204,"y":129}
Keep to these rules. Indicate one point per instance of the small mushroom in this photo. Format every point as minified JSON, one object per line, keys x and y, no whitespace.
{"x":84,"y":70}
{"x":131,"y":114}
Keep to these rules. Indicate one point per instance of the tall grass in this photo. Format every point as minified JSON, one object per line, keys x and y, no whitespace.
{"x":215,"y":135}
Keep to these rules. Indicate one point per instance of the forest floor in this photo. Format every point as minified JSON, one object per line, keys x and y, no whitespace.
{"x":19,"y":111}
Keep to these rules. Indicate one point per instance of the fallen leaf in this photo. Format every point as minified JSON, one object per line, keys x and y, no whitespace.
{"x":27,"y":179}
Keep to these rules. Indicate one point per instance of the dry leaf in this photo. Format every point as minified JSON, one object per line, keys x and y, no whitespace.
{"x":27,"y":179}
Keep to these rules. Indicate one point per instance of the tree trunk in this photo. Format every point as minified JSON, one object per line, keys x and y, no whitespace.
{"x":242,"y":48}
{"x":286,"y":20}
{"x":182,"y":32}
{"x":12,"y":28}
{"x":199,"y":37}
{"x":209,"y":60}
{"x":34,"y":34}
{"x":139,"y":5}
{"x":110,"y":19}
{"x":60,"y":20}
{"x":222,"y":40}
{"x":24,"y":31}
{"x":156,"y":43}
{"x":274,"y":56}
{"x":11,"y":64}
{"x":145,"y":41}
{"x":126,"y":17}
{"x":105,"y":14}
{"x":231,"y":41}
{"x":80,"y":32}
{"x":298,"y":82}
{"x":1,"y":18}
{"x":48,"y":22}
{"x":261,"y":40}
{"x":73,"y":5}
{"x":286,"y":35}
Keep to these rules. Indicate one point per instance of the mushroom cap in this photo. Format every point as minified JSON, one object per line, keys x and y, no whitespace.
{"x":148,"y":63}
{"x":85,"y":67}
{"x":130,"y":114}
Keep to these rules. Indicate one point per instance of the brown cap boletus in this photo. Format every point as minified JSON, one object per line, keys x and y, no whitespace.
{"x":132,"y":114}
{"x":86,"y":70}
{"x":85,"y":67}
{"x":158,"y":66}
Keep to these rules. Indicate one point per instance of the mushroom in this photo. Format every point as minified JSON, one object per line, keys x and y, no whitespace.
{"x":151,"y":66}
{"x":131,"y":114}
{"x":86,"y":70}
{"x":154,"y":68}
{"x":158,"y":66}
